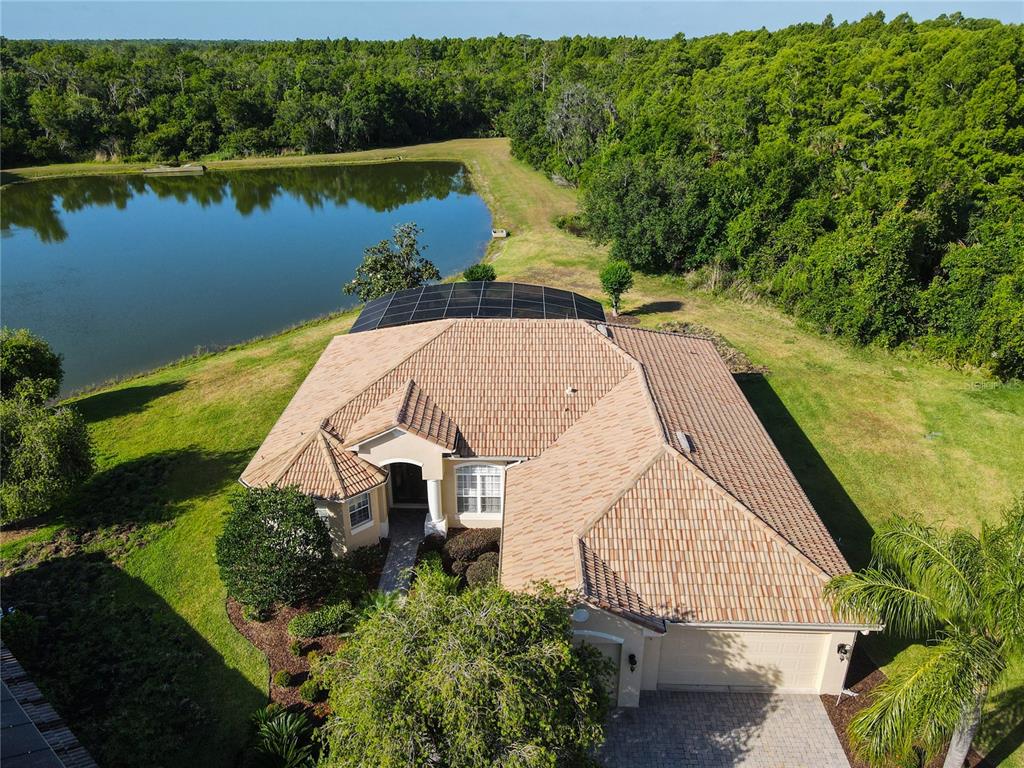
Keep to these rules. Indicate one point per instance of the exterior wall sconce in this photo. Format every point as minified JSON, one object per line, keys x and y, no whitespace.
{"x":843,"y":649}
{"x":632,"y":662}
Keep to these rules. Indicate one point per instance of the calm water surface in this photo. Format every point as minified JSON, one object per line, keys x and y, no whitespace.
{"x":123,"y":273}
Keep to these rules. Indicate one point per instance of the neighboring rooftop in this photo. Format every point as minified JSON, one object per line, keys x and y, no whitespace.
{"x":651,"y":485}
{"x":476,"y":299}
{"x":32,"y":735}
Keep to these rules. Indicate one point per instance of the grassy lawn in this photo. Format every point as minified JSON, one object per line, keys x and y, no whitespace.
{"x":867,"y":432}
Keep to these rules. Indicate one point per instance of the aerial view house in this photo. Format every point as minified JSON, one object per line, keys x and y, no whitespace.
{"x":623,"y":464}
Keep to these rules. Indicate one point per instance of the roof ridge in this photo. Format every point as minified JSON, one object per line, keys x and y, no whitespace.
{"x":403,"y":404}
{"x":276,"y":478}
{"x":329,"y":455}
{"x":448,"y":323}
{"x":630,"y":483}
{"x":645,"y":384}
{"x":758,"y":520}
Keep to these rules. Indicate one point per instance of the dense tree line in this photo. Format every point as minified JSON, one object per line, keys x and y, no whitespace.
{"x":868,"y":177}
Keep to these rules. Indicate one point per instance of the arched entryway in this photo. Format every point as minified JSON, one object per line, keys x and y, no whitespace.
{"x":406,"y":486}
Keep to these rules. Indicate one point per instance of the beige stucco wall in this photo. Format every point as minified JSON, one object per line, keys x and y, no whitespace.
{"x":335,"y":515}
{"x":449,"y":504}
{"x":599,"y":628}
{"x":399,"y":446}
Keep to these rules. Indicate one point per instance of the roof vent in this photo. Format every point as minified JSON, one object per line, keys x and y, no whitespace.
{"x":686,"y":442}
{"x":571,"y":390}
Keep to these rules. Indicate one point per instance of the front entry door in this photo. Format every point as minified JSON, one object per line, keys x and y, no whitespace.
{"x":408,"y":485}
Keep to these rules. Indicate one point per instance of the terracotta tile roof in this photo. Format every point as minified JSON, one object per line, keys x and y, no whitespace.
{"x":324,"y":468}
{"x":650,"y":484}
{"x":550,"y":498}
{"x":695,"y":554}
{"x":347,"y":366}
{"x":411,"y":409}
{"x":696,"y":396}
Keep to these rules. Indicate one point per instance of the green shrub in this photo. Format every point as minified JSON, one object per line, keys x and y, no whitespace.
{"x":329,"y":620}
{"x":572,"y":223}
{"x":311,"y":691}
{"x":366,"y":559}
{"x":458,"y":568}
{"x":477,"y":272}
{"x":470,"y":543}
{"x":348,"y":581}
{"x":431,"y":557}
{"x":45,"y":453}
{"x":376,"y":602}
{"x":274,"y":549}
{"x":28,"y":367}
{"x":484,"y":570}
{"x":20,"y":631}
{"x":283,"y":678}
{"x":296,"y":647}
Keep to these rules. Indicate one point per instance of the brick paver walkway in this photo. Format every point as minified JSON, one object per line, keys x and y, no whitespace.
{"x":715,"y":730}
{"x":405,"y":529}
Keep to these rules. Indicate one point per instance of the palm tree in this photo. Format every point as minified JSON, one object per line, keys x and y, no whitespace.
{"x":965,"y":593}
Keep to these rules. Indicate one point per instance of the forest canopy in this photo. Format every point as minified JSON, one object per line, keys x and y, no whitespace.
{"x":867,"y":177}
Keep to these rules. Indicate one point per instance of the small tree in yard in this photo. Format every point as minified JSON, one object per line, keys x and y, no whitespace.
{"x":393,"y":265}
{"x":480,"y":678}
{"x":274,"y":548}
{"x":616,"y":279}
{"x":45,"y":453}
{"x":480,"y":272}
{"x":963,"y":592}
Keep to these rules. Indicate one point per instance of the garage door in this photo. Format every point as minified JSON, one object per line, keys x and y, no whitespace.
{"x":783,"y":661}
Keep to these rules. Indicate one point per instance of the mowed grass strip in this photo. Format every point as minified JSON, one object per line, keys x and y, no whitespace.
{"x":869,"y":433}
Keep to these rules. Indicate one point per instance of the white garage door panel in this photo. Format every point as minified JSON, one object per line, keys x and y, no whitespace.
{"x":785,"y":661}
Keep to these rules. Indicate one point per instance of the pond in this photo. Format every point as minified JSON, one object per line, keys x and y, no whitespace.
{"x":124,"y":273}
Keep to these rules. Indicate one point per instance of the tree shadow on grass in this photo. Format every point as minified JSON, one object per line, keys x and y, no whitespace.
{"x":119,"y":402}
{"x":122,"y":508}
{"x":133,"y":680}
{"x":656,"y":307}
{"x":1003,"y":726}
{"x":838,"y":511}
{"x":152,"y":488}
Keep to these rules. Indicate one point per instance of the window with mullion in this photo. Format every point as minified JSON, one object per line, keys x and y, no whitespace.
{"x":478,"y":489}
{"x":359,"y":511}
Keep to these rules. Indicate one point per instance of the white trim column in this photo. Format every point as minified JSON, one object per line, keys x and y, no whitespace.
{"x":435,"y":522}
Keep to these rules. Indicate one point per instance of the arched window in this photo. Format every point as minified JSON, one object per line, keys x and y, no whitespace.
{"x":478,"y":489}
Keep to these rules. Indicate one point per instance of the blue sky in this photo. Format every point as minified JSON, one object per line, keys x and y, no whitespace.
{"x":390,"y":19}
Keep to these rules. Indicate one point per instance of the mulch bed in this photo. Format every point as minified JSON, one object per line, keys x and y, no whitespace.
{"x":272,"y":638}
{"x":863,"y":677}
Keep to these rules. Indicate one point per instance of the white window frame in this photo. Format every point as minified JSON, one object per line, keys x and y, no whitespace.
{"x":356,"y":504}
{"x":477,"y":495}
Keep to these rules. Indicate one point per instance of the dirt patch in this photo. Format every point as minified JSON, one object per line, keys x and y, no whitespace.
{"x":19,"y":530}
{"x":868,"y":677}
{"x":737,"y":362}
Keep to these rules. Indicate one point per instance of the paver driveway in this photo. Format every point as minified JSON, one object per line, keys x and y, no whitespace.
{"x":715,"y":730}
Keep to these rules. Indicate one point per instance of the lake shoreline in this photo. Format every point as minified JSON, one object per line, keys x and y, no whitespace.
{"x":125,"y":273}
